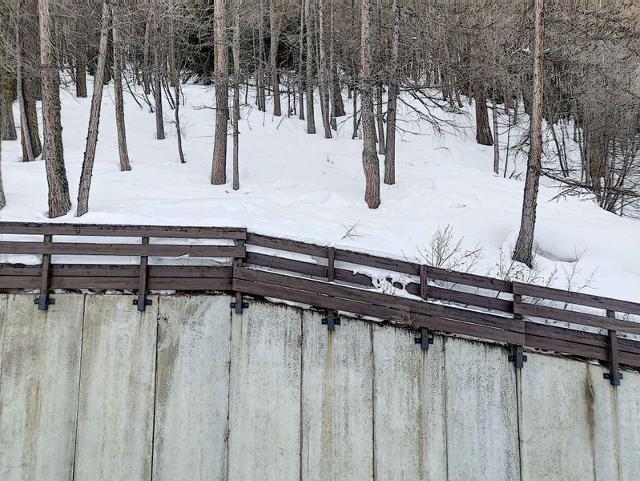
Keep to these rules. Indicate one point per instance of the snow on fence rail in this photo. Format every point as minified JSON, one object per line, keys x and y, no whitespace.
{"x":407,"y":293}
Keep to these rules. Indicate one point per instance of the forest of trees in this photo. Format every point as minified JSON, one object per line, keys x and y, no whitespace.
{"x":571,"y":66}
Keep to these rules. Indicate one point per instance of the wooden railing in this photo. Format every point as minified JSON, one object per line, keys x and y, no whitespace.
{"x":422,"y":297}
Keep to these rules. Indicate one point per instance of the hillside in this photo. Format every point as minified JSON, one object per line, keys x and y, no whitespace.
{"x":310,"y":188}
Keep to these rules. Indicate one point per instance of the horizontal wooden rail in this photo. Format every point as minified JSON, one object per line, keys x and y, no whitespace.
{"x":404,"y":292}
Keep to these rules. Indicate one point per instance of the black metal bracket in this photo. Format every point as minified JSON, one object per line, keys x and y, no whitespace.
{"x":615,"y":378}
{"x":43,"y":301}
{"x":518,"y":357}
{"x":425,"y":340}
{"x":239,"y":304}
{"x":141,"y":305}
{"x":331,"y":321}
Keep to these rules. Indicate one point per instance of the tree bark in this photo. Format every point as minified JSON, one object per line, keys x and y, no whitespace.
{"x":6,"y":110}
{"x":94,"y":116}
{"x":370,"y":161}
{"x":524,"y":246}
{"x":221,"y":76}
{"x":483,"y":131}
{"x":392,"y":106}
{"x":323,"y":73}
{"x":311,"y":119}
{"x":301,"y":64}
{"x":59,"y":201}
{"x":27,"y":77}
{"x":175,"y":80}
{"x":123,"y":150}
{"x":157,"y":81}
{"x":496,"y":138}
{"x":236,"y":94}
{"x":275,"y":22}
{"x":380,"y":119}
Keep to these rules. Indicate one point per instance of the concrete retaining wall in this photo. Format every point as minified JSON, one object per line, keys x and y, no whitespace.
{"x":94,"y":390}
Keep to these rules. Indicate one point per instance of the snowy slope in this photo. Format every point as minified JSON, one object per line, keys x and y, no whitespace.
{"x":309,"y":188}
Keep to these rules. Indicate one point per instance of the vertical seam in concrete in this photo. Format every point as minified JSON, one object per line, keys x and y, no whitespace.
{"x":616,"y":427}
{"x":227,"y":433}
{"x":591,"y":420}
{"x":300,"y":401}
{"x":374,"y":463}
{"x":155,"y":391}
{"x":445,"y":402}
{"x":75,"y":437}
{"x":4,"y":323}
{"x":519,"y":414}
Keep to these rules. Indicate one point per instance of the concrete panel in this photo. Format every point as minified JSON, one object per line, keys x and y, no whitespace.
{"x":629,"y":412}
{"x":192,"y":388}
{"x":4,"y":299}
{"x":337,"y":401}
{"x":264,"y":405}
{"x":481,"y":413}
{"x":115,"y":418}
{"x":410,"y":428}
{"x":39,"y":391}
{"x":556,"y":420}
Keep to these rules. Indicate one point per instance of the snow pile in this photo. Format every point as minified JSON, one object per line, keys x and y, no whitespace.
{"x":309,"y":188}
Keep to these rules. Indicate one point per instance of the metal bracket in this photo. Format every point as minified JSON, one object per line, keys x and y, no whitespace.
{"x":43,"y":301}
{"x":239,"y":304}
{"x":614,"y":378}
{"x":518,"y":358}
{"x":425,"y":340}
{"x":142,"y":305}
{"x":331,"y":321}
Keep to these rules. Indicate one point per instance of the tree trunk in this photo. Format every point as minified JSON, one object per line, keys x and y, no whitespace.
{"x":123,"y":151}
{"x":59,"y":201}
{"x":221,"y":76}
{"x":94,"y":116}
{"x":380,"y":119}
{"x":311,"y":119}
{"x":175,"y":80}
{"x":157,"y":81}
{"x":496,"y":138}
{"x":301,"y":64}
{"x":262,"y":102}
{"x":26,"y":48}
{"x":146,"y":67}
{"x":275,"y":21}
{"x":322,"y":73}
{"x":483,"y":131}
{"x":6,"y":110}
{"x":338,"y":104}
{"x":236,"y":93}
{"x":370,"y":161}
{"x":524,"y":246}
{"x":392,"y":106}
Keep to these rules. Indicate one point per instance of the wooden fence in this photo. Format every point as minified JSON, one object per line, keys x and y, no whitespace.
{"x":422,"y":297}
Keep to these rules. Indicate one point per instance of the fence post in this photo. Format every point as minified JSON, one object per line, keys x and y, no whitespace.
{"x":331,"y":264}
{"x":142,"y":302}
{"x":614,"y":375}
{"x":239,"y":303}
{"x":517,"y":356}
{"x":43,"y":301}
{"x":424,"y":292}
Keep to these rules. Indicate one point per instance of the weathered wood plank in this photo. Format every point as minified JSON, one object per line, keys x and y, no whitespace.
{"x":156,"y":250}
{"x":115,"y":416}
{"x":337,"y":404}
{"x":192,"y":388}
{"x":39,"y":388}
{"x":31,"y":228}
{"x":264,"y":404}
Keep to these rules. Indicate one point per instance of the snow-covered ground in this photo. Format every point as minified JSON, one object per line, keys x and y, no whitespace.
{"x":309,"y":188}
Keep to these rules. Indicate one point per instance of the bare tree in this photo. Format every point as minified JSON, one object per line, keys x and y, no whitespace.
{"x":392,"y":106}
{"x":524,"y":246}
{"x":276,"y":15}
{"x":236,"y":93}
{"x":123,"y":150}
{"x":94,"y":117}
{"x":311,"y":118}
{"x":370,"y":161}
{"x":59,"y":201}
{"x":221,"y":76}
